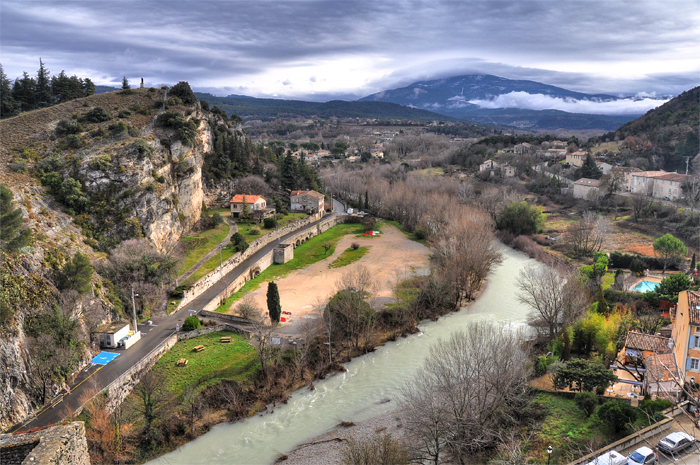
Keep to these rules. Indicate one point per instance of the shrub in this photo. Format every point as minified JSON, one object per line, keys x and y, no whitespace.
{"x":18,"y":167}
{"x":369,"y":223}
{"x":238,"y":243}
{"x":101,"y":162}
{"x":219,"y":112}
{"x":124,"y":114}
{"x":617,"y":414}
{"x":191,"y":323}
{"x":637,"y":266}
{"x":142,"y":149}
{"x":355,"y":245}
{"x":674,"y":284}
{"x":173,"y":101}
{"x":520,"y":218}
{"x":205,"y":105}
{"x":184,"y":92}
{"x":653,"y":408}
{"x":76,"y":274}
{"x":179,"y":291}
{"x":67,"y":126}
{"x":269,"y":223}
{"x":73,"y":141}
{"x":254,"y":232}
{"x":118,"y":128}
{"x":217,"y":219}
{"x":586,"y":401}
{"x":158,"y":104}
{"x":97,"y":115}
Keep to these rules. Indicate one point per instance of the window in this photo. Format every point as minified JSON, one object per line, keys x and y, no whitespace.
{"x":696,"y":342}
{"x":697,"y":330}
{"x":694,"y":364}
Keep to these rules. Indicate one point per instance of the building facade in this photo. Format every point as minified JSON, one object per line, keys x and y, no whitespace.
{"x":255,"y":204}
{"x":586,"y":188}
{"x":686,"y":334}
{"x":669,"y":186}
{"x":309,"y":201}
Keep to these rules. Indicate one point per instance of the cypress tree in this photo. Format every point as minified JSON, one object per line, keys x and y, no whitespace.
{"x":692,"y":263}
{"x":43,"y":95}
{"x":274,"y":308}
{"x":366,"y":200}
{"x":125,"y":84}
{"x":600,"y":299}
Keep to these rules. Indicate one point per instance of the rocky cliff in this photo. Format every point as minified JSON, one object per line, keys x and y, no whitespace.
{"x":88,"y":174}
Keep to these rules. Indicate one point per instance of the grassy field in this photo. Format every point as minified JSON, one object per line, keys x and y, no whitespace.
{"x":349,"y":256}
{"x":410,"y":235}
{"x":243,"y":229}
{"x":237,"y":360}
{"x":199,"y":245}
{"x":304,"y":255}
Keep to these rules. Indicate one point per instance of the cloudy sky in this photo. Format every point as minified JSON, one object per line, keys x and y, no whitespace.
{"x":349,"y":49}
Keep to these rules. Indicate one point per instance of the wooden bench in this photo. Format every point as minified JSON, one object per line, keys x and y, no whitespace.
{"x":199,"y":348}
{"x":225,"y":339}
{"x":182,"y":362}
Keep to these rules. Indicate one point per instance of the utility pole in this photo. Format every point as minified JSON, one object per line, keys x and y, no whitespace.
{"x":133,"y":307}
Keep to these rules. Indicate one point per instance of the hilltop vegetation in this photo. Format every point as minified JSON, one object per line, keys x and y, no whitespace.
{"x":665,"y":135}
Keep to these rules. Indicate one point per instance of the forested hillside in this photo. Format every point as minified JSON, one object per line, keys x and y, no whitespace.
{"x":665,"y":135}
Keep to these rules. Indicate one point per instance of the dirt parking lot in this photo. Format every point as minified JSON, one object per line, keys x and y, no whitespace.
{"x":390,"y":255}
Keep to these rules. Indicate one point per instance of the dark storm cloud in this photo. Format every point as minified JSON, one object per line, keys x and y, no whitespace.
{"x":226,"y":44}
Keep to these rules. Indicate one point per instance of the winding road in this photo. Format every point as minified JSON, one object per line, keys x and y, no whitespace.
{"x":94,"y":378}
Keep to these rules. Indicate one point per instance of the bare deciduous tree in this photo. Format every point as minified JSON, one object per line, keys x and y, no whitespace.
{"x":248,"y":308}
{"x":587,"y":235}
{"x":554,"y":295}
{"x":262,"y":343}
{"x":467,"y":392}
{"x":381,"y":450}
{"x":349,"y":310}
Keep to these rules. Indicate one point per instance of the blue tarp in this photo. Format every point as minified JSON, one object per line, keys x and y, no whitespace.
{"x":103,"y":358}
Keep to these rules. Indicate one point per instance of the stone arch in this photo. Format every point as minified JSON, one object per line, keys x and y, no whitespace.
{"x":254,"y":272}
{"x":298,"y":243}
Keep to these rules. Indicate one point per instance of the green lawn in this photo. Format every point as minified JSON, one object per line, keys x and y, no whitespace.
{"x":227,"y":253}
{"x":237,"y":360}
{"x":349,"y":256}
{"x":304,"y":255}
{"x":199,"y":245}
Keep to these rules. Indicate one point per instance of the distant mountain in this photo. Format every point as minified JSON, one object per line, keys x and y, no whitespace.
{"x":267,"y":109}
{"x":105,"y":89}
{"x":456,"y":96}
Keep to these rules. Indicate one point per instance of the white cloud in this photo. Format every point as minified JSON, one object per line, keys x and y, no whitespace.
{"x":545,"y":102}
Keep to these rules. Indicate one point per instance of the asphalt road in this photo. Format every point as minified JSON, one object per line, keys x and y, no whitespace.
{"x":95,"y":378}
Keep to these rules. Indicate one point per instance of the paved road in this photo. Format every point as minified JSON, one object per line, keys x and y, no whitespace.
{"x":688,"y":456}
{"x":94,"y":379}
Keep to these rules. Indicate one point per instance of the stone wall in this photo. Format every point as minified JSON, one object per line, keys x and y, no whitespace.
{"x":56,"y":445}
{"x":213,"y":276}
{"x":182,"y":336}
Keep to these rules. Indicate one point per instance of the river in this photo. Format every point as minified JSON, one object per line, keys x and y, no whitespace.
{"x":356,"y":395}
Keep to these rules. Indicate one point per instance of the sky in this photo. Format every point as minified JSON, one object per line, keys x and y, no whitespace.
{"x":349,"y":49}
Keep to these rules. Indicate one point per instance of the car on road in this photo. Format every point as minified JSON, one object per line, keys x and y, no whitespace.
{"x":609,"y":458}
{"x":642,"y":456}
{"x":676,"y":442}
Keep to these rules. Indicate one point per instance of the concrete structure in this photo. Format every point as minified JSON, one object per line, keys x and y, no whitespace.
{"x":110,"y":335}
{"x":605,"y":167}
{"x":686,"y":334}
{"x":576,"y":158}
{"x":283,"y":253}
{"x":669,"y":185}
{"x":625,"y":175}
{"x":254,"y":203}
{"x":643,"y":182}
{"x":56,"y":445}
{"x":508,"y":170}
{"x":308,"y":201}
{"x":586,"y":188}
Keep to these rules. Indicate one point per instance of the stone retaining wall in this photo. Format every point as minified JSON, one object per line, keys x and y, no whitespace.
{"x":183,"y":336}
{"x":213,"y":276}
{"x":57,"y":445}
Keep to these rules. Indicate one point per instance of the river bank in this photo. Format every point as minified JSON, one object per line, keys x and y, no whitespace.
{"x":358,"y":394}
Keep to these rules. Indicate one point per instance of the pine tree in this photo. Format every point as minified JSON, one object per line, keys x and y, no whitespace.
{"x":76,"y":274}
{"x":12,"y":236}
{"x":288,"y":173}
{"x":8,"y":106}
{"x":23,"y":92}
{"x":589,"y":169}
{"x":125,"y":84}
{"x":245,"y":211}
{"x":88,"y":87}
{"x":273,"y":303}
{"x":42,"y":94}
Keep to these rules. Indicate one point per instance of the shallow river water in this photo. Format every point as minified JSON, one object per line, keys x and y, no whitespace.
{"x":356,"y":395}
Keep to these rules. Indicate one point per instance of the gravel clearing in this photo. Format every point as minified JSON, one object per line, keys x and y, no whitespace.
{"x":327,"y":448}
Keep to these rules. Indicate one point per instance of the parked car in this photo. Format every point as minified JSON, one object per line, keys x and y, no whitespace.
{"x":609,"y":458}
{"x":676,"y":442}
{"x":642,"y":456}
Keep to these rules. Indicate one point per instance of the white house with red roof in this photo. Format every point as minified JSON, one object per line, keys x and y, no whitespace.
{"x":256,"y":204}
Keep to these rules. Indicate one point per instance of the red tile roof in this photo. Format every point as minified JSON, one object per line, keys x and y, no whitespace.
{"x":311,"y":193}
{"x":673,"y":177}
{"x":661,"y":367}
{"x":588,"y":182}
{"x":239,"y":198}
{"x":641,"y":341}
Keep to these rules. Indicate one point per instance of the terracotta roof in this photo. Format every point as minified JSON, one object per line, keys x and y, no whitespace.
{"x":650,"y":174}
{"x":673,"y":177}
{"x":238,"y":198}
{"x":626,"y":169}
{"x":661,"y":367}
{"x":650,"y":342}
{"x":694,"y":307}
{"x":311,"y":193}
{"x":588,"y":182}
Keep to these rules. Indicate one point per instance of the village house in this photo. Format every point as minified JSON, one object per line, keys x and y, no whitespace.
{"x":255,"y":204}
{"x":508,"y":170}
{"x":643,"y":182}
{"x":605,"y":167}
{"x":586,"y":188}
{"x":669,"y":186}
{"x":308,"y":201}
{"x":686,"y":334}
{"x":522,"y":148}
{"x":625,"y":173}
{"x":576,"y":158}
{"x":488,"y":165}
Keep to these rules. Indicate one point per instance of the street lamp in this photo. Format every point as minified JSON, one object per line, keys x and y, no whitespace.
{"x":549,"y":453}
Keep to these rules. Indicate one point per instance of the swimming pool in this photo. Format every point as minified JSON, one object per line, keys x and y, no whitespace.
{"x":644,"y":286}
